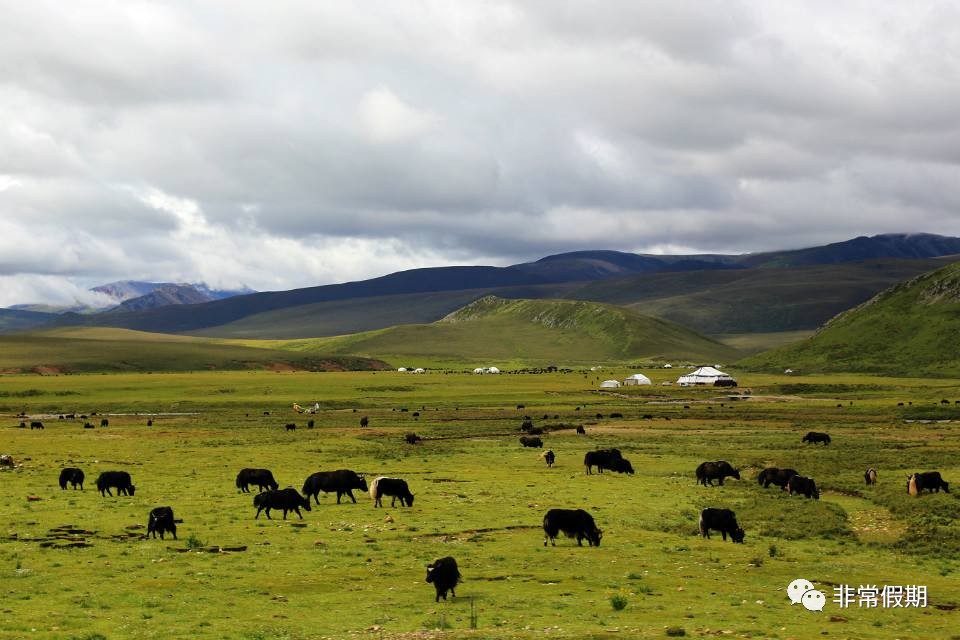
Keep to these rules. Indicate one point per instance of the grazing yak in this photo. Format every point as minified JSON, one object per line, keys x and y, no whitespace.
{"x":931,"y":481}
{"x":814,"y":437}
{"x":161,"y":521}
{"x":104,"y":422}
{"x":574,"y":523}
{"x":6,"y":460}
{"x":73,"y":476}
{"x":286,"y":499}
{"x":804,"y":486}
{"x":707,"y":472}
{"x":412,"y":438}
{"x":445,"y":575}
{"x":343,"y":481}
{"x":580,"y":430}
{"x":722,"y":520}
{"x":531,"y":441}
{"x":119,"y":480}
{"x":773,"y":475}
{"x":36,"y":424}
{"x":606,"y":459}
{"x":263,"y":478}
{"x":393,"y":487}
{"x":290,"y":426}
{"x":870,"y":476}
{"x":364,"y":421}
{"x":548,"y":457}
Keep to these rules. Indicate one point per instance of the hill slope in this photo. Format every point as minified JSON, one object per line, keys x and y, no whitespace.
{"x":494,"y":331}
{"x":909,"y":329}
{"x":85,"y":350}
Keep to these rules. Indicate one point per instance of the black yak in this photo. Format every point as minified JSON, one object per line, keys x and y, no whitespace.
{"x":445,"y":575}
{"x":548,"y":457}
{"x":119,"y":480}
{"x":870,"y":476}
{"x":773,"y":475}
{"x":531,"y":441}
{"x":286,"y":499}
{"x":263,"y":478}
{"x":574,"y":523}
{"x":343,"y":481}
{"x":606,"y":459}
{"x":707,"y":472}
{"x":722,"y":520}
{"x":930,"y":480}
{"x":804,"y":486}
{"x":73,"y":476}
{"x":161,"y":521}
{"x":814,"y":437}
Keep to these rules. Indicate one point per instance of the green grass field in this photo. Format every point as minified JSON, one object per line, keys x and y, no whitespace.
{"x":355,"y":571}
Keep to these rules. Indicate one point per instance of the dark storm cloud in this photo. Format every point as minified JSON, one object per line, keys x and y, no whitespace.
{"x":293,"y":143}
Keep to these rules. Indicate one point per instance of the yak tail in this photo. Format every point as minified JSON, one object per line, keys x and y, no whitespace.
{"x":373,"y":487}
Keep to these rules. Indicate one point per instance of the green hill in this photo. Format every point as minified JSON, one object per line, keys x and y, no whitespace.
{"x":90,"y":350}
{"x":909,"y":329}
{"x":497,"y":331}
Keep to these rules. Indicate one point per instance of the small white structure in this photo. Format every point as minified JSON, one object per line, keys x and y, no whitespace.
{"x":636,"y":379}
{"x":610,"y":384}
{"x":668,"y":366}
{"x":486,"y":370}
{"x":596,"y":368}
{"x":493,"y":370}
{"x":708,"y":376}
{"x":788,"y":371}
{"x":402,"y":370}
{"x":479,"y":370}
{"x":419,"y":370}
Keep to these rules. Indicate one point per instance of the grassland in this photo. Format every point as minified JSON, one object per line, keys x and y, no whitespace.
{"x":356,"y":571}
{"x":84,"y":350}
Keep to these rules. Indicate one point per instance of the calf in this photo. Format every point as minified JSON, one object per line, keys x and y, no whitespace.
{"x":161,"y":521}
{"x":804,"y":486}
{"x":263,"y":478}
{"x":930,"y":480}
{"x":773,"y":475}
{"x":73,"y":476}
{"x":343,"y":481}
{"x":722,"y":520}
{"x":814,"y":437}
{"x":574,"y":523}
{"x":445,"y":575}
{"x":393,"y":487}
{"x":548,"y":457}
{"x":707,"y":472}
{"x":531,"y":441}
{"x":286,"y":499}
{"x":870,"y":476}
{"x":119,"y":480}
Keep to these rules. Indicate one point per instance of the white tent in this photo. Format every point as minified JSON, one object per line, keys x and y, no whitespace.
{"x":707,"y":376}
{"x":479,"y":370}
{"x":610,"y":384}
{"x":493,"y":370}
{"x":419,"y":370}
{"x":402,"y":370}
{"x":668,"y":366}
{"x":636,"y":379}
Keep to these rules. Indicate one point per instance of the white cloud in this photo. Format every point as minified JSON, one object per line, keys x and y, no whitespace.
{"x":386,"y":118}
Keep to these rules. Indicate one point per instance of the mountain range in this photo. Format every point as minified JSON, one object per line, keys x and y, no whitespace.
{"x":750,"y":293}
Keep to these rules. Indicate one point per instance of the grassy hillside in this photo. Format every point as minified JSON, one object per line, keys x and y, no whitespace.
{"x":100,"y":349}
{"x":910,"y":329}
{"x":495,"y":331}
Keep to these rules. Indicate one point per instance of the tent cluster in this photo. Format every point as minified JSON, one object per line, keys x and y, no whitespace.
{"x":411,"y":370}
{"x":630,"y":381}
{"x":482,"y":370}
{"x":708,"y":376}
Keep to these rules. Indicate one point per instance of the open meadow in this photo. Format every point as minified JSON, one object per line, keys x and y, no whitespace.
{"x":351,"y":570}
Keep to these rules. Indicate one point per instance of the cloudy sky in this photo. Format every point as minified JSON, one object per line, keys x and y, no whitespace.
{"x":282,"y":144}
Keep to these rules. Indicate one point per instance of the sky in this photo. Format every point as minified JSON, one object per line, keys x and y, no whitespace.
{"x":286,"y":144}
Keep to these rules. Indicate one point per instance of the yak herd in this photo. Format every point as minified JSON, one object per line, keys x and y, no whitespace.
{"x":444,"y":573}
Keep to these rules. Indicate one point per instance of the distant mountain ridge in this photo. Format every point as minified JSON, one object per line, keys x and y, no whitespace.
{"x":174,"y":311}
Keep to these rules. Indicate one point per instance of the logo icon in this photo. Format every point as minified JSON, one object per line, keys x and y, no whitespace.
{"x":803,"y":592}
